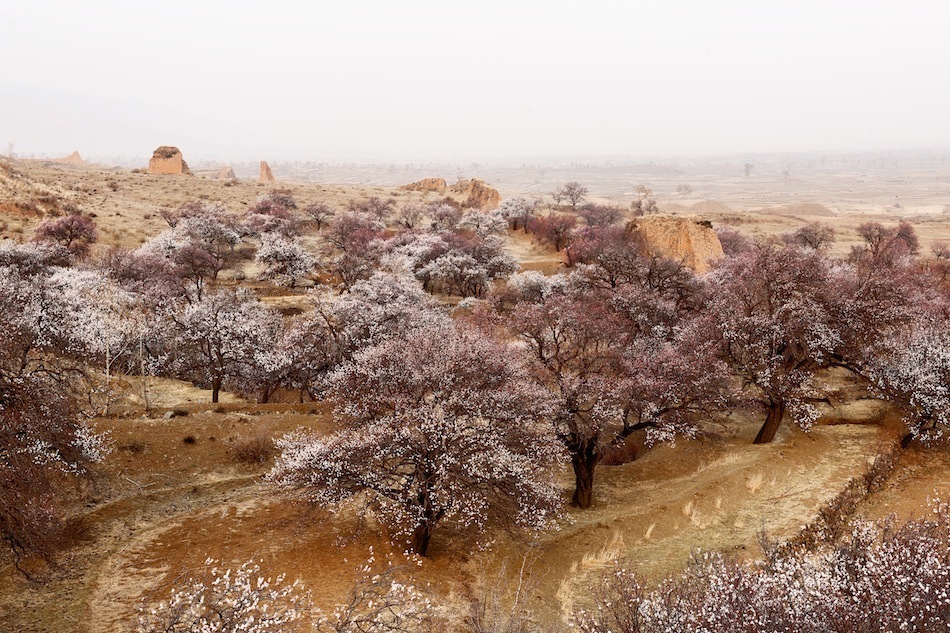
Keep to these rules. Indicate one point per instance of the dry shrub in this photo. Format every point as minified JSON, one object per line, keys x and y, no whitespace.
{"x":833,"y":518}
{"x":256,"y":448}
{"x":132,"y":446}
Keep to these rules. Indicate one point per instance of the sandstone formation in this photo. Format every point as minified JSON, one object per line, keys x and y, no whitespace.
{"x":225,"y":173}
{"x":167,"y":160}
{"x":72,"y":159}
{"x":478,"y":194}
{"x":267,"y":176}
{"x":436,"y":185}
{"x":689,"y":240}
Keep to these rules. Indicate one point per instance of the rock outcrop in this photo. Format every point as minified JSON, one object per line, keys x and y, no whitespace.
{"x":225,"y":173}
{"x":692,"y":241}
{"x":267,"y":176}
{"x":436,"y":185}
{"x":478,"y":194}
{"x":167,"y":160}
{"x":72,"y":159}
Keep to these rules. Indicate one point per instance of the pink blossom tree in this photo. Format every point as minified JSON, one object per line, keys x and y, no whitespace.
{"x":272,"y":213}
{"x":145,"y":273}
{"x":353,"y":246}
{"x":574,"y":192}
{"x":555,"y":229}
{"x":612,"y":376}
{"x":816,"y":235}
{"x":885,"y":246}
{"x":320,"y":213}
{"x":441,"y":427}
{"x":774,"y":314}
{"x":374,"y":206}
{"x":601,"y":214}
{"x":76,"y":233}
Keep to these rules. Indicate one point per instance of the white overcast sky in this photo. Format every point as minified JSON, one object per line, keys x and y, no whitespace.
{"x":418,"y":80}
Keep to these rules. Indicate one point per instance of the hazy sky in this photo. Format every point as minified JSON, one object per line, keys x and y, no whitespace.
{"x":415,"y":80}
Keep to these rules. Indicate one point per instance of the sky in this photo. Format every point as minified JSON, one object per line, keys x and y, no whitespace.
{"x":415,"y":80}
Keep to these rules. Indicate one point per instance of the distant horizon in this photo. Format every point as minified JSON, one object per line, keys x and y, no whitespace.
{"x":723,"y":157}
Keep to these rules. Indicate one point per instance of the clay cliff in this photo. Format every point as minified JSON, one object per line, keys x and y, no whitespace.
{"x":478,"y":194}
{"x":436,"y":185}
{"x":267,"y":176}
{"x":685,"y":239}
{"x":167,"y":160}
{"x":72,"y":159}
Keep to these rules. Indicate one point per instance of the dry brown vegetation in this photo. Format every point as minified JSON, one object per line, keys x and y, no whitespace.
{"x":159,"y":503}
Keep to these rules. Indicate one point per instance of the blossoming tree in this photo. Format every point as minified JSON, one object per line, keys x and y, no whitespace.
{"x":441,"y":427}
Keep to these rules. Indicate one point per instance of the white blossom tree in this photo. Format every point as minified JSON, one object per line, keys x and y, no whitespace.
{"x":44,"y":439}
{"x":285,"y":260}
{"x":519,"y":211}
{"x":483,"y":223}
{"x":469,"y":266}
{"x":914,"y":371}
{"x":228,"y":601}
{"x":217,"y":337}
{"x":382,"y":601}
{"x":879,"y":577}
{"x":201,"y":242}
{"x":380,"y":308}
{"x":107,"y":320}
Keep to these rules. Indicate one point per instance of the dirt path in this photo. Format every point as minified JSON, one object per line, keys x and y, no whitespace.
{"x":82,"y":594}
{"x":715,"y":493}
{"x":921,"y":473}
{"x":652,"y":513}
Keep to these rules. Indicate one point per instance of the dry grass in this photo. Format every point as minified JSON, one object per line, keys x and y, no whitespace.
{"x":753,"y":483}
{"x":254,"y":448}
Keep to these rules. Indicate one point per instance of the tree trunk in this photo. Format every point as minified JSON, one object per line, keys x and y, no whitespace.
{"x":584,"y":460}
{"x":772,"y":421}
{"x":215,"y":389}
{"x":907,"y":439}
{"x":267,"y":391}
{"x":421,"y":537}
